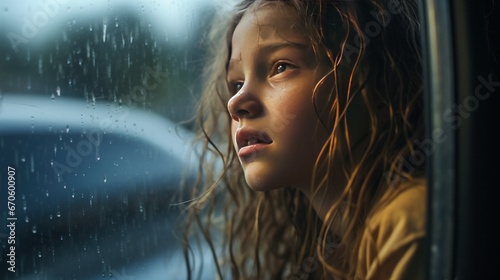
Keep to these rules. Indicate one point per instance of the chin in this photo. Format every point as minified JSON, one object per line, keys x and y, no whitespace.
{"x":258,"y":179}
{"x":258,"y":183}
{"x":261,"y":178}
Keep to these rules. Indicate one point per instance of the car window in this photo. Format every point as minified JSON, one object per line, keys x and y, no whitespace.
{"x":462,"y":72}
{"x":94,"y":96}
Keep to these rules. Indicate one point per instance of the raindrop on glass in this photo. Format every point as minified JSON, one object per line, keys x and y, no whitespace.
{"x":40,"y":65}
{"x":104,"y":28}
{"x":32,"y":163}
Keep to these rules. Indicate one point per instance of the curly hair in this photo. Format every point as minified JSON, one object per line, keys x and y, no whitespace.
{"x":373,"y":48}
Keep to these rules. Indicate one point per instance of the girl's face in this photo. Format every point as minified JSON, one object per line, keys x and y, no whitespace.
{"x":272,"y":73}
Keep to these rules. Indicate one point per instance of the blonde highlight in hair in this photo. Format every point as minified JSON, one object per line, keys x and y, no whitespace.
{"x":276,"y":234}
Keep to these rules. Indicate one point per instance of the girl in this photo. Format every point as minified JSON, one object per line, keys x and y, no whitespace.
{"x":314,"y":111}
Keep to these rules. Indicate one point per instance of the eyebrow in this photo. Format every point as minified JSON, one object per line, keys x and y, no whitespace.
{"x":277,"y":46}
{"x":269,"y":48}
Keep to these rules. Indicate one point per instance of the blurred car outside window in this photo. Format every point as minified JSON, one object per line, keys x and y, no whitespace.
{"x":93,"y":99}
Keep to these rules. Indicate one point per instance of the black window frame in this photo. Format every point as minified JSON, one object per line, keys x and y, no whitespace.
{"x":460,"y":83}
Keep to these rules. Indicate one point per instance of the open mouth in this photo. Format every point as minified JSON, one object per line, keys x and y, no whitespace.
{"x":246,"y":138}
{"x":253,"y":141}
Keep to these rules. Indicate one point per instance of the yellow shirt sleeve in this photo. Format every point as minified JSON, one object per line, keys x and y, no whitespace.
{"x":393,"y":244}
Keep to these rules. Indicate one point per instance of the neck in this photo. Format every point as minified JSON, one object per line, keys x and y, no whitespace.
{"x":327,"y":193}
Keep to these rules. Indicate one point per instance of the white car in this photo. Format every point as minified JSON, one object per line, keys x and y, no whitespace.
{"x":96,"y":189}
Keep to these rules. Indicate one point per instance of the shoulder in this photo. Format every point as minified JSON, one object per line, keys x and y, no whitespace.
{"x":404,"y":209}
{"x":392,"y":243}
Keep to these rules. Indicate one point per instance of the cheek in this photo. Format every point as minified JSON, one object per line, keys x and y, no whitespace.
{"x":307,"y":124}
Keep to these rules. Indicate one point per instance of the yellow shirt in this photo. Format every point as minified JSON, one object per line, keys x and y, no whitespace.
{"x":392,"y":246}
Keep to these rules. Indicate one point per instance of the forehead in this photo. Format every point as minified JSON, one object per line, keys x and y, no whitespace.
{"x":269,"y":22}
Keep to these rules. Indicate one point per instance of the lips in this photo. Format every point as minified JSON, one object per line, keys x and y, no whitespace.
{"x":250,"y":141}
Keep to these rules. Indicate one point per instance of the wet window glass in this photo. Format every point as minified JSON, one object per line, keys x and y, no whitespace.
{"x":96,"y":99}
{"x":93,"y":99}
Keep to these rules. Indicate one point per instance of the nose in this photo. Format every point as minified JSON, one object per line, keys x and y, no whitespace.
{"x":244,"y":104}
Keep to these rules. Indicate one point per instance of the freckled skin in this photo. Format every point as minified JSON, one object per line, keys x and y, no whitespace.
{"x":274,"y":95}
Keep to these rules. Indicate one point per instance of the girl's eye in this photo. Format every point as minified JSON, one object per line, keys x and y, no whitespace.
{"x":280,"y":68}
{"x":236,"y":87}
